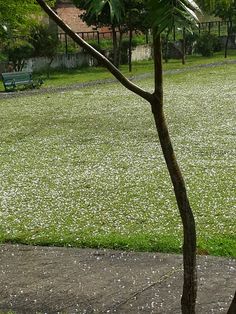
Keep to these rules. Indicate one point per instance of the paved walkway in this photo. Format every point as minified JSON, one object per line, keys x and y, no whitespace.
{"x":58,"y":89}
{"x":70,"y":280}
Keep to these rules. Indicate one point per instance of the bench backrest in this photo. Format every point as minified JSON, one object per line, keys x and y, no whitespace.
{"x":17,"y":76}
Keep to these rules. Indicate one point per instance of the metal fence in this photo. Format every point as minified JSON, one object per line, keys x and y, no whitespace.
{"x":218,"y":28}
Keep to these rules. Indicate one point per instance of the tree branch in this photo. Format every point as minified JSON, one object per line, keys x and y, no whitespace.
{"x":114,"y":71}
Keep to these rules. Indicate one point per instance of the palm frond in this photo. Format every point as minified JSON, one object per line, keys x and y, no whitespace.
{"x":96,"y":7}
{"x":167,"y":13}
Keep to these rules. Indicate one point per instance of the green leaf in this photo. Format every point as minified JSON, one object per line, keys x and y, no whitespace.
{"x":167,"y":13}
{"x":96,"y":7}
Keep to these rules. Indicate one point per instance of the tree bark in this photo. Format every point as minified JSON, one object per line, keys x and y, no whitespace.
{"x":232,"y":308}
{"x":156,"y":101}
{"x":115,"y":47}
{"x":183,"y":46}
{"x":189,"y":244}
{"x":121,"y":32}
{"x":130,"y":49}
{"x":229,"y":32}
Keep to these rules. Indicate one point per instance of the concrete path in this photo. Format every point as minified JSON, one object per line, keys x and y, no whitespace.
{"x":58,"y":89}
{"x":70,"y":280}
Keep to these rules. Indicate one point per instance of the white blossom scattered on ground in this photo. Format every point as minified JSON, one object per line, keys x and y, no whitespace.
{"x":84,"y":167}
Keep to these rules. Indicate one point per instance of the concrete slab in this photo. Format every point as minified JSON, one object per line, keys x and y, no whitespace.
{"x":71,"y":280}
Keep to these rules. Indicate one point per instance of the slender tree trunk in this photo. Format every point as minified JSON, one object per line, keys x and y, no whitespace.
{"x":119,"y":46}
{"x":166,"y":48}
{"x":130,"y":48}
{"x":232,"y":308}
{"x":115,"y":46}
{"x":183,"y":46}
{"x":229,"y":32}
{"x":49,"y":67}
{"x":226,"y":46}
{"x":156,"y":101}
{"x":189,"y":244}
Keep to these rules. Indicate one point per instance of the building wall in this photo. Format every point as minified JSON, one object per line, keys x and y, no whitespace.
{"x":73,"y":61}
{"x":142,"y":52}
{"x":71,"y":15}
{"x":70,"y":61}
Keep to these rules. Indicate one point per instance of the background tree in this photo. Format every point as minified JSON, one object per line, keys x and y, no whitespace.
{"x":45,"y":42}
{"x":228,"y":14}
{"x":16,"y":21}
{"x":162,"y":14}
{"x":105,"y":13}
{"x":122,"y":16}
{"x":135,"y":15}
{"x":17,"y":16}
{"x":18,"y":51}
{"x":226,"y":10}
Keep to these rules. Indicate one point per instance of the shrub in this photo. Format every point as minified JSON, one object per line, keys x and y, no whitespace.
{"x":18,"y":51}
{"x":45,"y":41}
{"x":207,"y":44}
{"x":190,"y":40}
{"x":125,"y":47}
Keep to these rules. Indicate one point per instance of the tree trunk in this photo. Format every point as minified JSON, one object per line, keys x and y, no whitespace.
{"x":232,"y":308}
{"x":130,"y":49}
{"x":229,"y":32}
{"x":119,"y":48}
{"x":115,"y":47}
{"x":226,"y":46}
{"x":49,"y":67}
{"x":183,"y":46}
{"x":166,"y":48}
{"x":156,"y":101}
{"x":189,"y":244}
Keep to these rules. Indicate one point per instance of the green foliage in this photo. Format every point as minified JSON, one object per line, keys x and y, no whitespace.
{"x":18,"y":16}
{"x":207,"y":44}
{"x":164,"y":14}
{"x":45,"y":41}
{"x":125,"y":47}
{"x":3,"y":57}
{"x":190,"y":39}
{"x":18,"y":51}
{"x":115,"y":8}
{"x":71,"y":47}
{"x":100,"y":12}
{"x":211,"y":5}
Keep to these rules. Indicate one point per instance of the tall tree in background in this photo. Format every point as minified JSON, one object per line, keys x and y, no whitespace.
{"x":121,"y":16}
{"x":226,"y":10}
{"x":16,"y":21}
{"x":105,"y":13}
{"x":228,"y":14}
{"x":17,"y":16}
{"x":45,"y":42}
{"x":135,"y":19}
{"x":162,"y":14}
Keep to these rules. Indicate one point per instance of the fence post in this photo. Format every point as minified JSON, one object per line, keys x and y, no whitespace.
{"x":98,"y":38}
{"x":146,"y":35}
{"x":209,"y":27}
{"x":66,"y":42}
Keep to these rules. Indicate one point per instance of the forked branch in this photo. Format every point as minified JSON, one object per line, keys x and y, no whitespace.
{"x":100,"y":57}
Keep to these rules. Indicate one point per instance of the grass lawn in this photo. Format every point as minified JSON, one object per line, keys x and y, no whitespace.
{"x":84,"y":167}
{"x":140,"y":67}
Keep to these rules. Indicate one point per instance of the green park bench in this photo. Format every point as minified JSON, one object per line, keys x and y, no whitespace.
{"x":13,"y":79}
